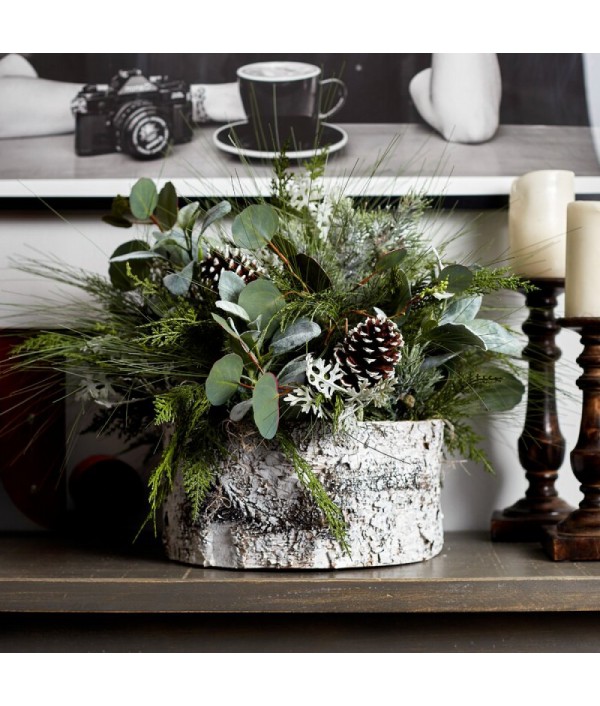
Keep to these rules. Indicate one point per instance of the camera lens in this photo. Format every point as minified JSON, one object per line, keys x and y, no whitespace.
{"x":141,"y":130}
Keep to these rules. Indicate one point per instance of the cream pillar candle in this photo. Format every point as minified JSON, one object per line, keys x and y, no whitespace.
{"x":582,"y":280}
{"x":537,"y":222}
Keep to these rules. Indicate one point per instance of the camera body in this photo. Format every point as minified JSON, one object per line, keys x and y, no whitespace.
{"x":132,"y":114}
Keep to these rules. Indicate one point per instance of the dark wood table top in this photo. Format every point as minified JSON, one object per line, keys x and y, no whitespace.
{"x":49,"y":574}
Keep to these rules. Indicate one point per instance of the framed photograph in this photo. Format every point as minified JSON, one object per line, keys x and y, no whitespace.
{"x":89,"y":125}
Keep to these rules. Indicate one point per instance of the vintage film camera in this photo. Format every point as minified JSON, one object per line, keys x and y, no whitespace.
{"x":133,"y":114}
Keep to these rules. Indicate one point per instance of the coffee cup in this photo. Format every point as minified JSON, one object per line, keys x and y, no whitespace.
{"x":285,"y":102}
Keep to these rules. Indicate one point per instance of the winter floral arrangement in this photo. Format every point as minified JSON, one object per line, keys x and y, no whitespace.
{"x":306,"y":310}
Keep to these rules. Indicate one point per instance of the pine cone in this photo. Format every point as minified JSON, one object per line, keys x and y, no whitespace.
{"x":369,"y":352}
{"x":233,"y":261}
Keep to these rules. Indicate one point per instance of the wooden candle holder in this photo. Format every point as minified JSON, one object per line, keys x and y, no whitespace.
{"x":541,"y":445}
{"x":577,"y":537}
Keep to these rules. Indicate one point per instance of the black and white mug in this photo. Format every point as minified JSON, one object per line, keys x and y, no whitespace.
{"x":285,"y":101}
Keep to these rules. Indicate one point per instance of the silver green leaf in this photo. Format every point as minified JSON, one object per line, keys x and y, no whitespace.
{"x":239,"y":411}
{"x":178,"y":283}
{"x":143,"y":198}
{"x":255,"y":226}
{"x":261,"y":298}
{"x":265,"y":405}
{"x":461,"y":311}
{"x":297,"y":334}
{"x":215,"y":213}
{"x":233,"y":309}
{"x":495,"y":337}
{"x":230,"y":286}
{"x":224,"y":378}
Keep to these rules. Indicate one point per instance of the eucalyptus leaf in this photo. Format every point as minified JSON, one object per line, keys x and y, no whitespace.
{"x":187,"y":216}
{"x":178,"y":283}
{"x":233,"y":309}
{"x":230,"y":286}
{"x":136,"y":255}
{"x":132,"y":252}
{"x":215,"y":213}
{"x":255,"y":226}
{"x":261,"y":298}
{"x":459,"y":278}
{"x":224,"y":378}
{"x":297,"y":334}
{"x":294,"y":372}
{"x":239,"y":411}
{"x":225,"y":325}
{"x":166,"y":207}
{"x":461,"y":311}
{"x":495,"y":337}
{"x":265,"y":405}
{"x":390,"y":259}
{"x":143,"y":199}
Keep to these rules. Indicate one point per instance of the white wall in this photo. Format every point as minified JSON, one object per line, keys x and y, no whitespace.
{"x":470,"y":495}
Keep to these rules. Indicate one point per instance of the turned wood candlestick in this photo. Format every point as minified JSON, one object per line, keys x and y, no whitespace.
{"x":541,"y":445}
{"x":577,"y":537}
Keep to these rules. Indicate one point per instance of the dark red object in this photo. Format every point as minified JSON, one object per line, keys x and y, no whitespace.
{"x":32,"y":438}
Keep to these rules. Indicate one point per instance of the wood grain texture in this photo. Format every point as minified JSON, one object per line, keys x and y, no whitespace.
{"x":42,"y":574}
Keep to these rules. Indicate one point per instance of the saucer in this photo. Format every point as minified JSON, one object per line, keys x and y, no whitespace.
{"x":239,"y":139}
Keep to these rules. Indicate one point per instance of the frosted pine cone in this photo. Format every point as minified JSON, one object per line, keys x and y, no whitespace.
{"x":369,"y":352}
{"x":233,"y":261}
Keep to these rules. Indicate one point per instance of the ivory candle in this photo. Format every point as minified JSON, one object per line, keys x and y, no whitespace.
{"x":537,"y":222}
{"x":582,"y":280}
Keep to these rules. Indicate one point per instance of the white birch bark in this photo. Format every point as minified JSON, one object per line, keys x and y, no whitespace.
{"x":385,"y":477}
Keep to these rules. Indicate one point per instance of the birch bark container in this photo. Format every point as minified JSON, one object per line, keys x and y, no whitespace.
{"x":385,"y":477}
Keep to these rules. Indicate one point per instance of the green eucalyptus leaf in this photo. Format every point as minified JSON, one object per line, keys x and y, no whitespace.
{"x":506,"y":392}
{"x":187,"y":216}
{"x":239,"y":411}
{"x":459,"y":278}
{"x":143,"y":198}
{"x":134,"y":252}
{"x":297,"y":334}
{"x":215,"y":213}
{"x":390,"y":259}
{"x":265,"y":405}
{"x":233,"y":309}
{"x":136,"y":255}
{"x":495,"y":337}
{"x":230,"y":286}
{"x":225,"y":326}
{"x":454,"y":337}
{"x":461,"y":311}
{"x":310,"y":272}
{"x":294,"y":372}
{"x":255,"y":226}
{"x":224,"y":378}
{"x":178,"y":283}
{"x":261,"y":298}
{"x":166,"y":207}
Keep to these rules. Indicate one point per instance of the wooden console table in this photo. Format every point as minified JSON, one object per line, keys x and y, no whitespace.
{"x":56,"y":595}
